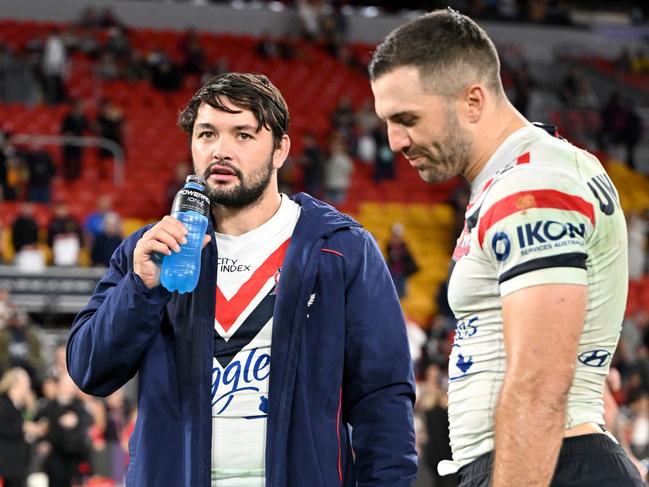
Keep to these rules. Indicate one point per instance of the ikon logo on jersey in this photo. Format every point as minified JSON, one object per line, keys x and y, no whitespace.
{"x":544,"y":231}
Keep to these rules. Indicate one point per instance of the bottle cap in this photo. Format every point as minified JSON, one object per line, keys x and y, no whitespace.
{"x":193,"y":178}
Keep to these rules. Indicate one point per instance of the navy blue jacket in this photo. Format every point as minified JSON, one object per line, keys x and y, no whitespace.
{"x":341,"y":372}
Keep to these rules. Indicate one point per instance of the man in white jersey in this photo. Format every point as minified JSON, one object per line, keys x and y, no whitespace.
{"x":539,"y":274}
{"x":288,"y":365}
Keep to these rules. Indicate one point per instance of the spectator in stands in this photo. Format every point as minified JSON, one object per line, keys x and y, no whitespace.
{"x":13,"y":171}
{"x":166,"y":76}
{"x":118,"y":414}
{"x":109,"y":124}
{"x":333,"y":26}
{"x":267,"y":47}
{"x":94,"y":223}
{"x":15,"y":396}
{"x":193,"y":55}
{"x":399,"y":259}
{"x":639,"y":434}
{"x":612,"y":122}
{"x":64,"y":236}
{"x":384,"y":160}
{"x":54,"y":67}
{"x":312,"y":162}
{"x":67,"y":441}
{"x":106,"y":68}
{"x":309,"y":12}
{"x":74,"y":124}
{"x":118,"y":44}
{"x":20,"y":346}
{"x":432,"y":405}
{"x":637,"y":228}
{"x":181,"y":171}
{"x":3,"y":247}
{"x":89,"y":18}
{"x":522,"y":85}
{"x":569,"y":87}
{"x":107,"y":241}
{"x":24,"y":231}
{"x":631,"y":134}
{"x":4,"y":146}
{"x":41,"y":172}
{"x":343,"y":119}
{"x":338,"y":170}
{"x":108,"y":18}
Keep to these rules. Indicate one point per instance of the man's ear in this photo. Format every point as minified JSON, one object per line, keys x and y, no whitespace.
{"x":281,"y":151}
{"x":473,"y":102}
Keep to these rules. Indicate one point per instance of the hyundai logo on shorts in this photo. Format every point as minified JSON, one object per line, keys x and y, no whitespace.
{"x":501,"y":245}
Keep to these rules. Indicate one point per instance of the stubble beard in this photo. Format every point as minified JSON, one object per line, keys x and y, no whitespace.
{"x":453,"y":153}
{"x":247,"y":192}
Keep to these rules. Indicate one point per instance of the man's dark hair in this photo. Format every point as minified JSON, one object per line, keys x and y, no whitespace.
{"x":449,"y":49}
{"x":252,"y":92}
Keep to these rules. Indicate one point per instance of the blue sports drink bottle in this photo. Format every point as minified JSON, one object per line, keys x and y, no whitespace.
{"x":180,"y":270}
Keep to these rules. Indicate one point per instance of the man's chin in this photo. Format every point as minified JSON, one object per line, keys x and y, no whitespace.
{"x":432,"y":177}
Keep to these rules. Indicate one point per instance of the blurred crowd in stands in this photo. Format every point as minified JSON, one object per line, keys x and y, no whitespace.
{"x":47,"y":425}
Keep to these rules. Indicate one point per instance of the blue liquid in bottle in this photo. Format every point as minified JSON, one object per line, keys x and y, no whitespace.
{"x":181,"y":270}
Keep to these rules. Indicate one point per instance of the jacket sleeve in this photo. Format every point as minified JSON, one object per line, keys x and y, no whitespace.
{"x":378,"y":387}
{"x":111,"y":334}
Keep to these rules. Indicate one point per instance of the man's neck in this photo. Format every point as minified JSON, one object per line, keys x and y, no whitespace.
{"x":496,"y":128}
{"x":237,"y":221}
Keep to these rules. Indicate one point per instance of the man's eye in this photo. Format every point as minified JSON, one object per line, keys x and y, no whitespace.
{"x":205,"y":135}
{"x":244,"y":136}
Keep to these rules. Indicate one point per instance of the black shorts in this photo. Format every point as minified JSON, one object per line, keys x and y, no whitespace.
{"x":584,"y":461}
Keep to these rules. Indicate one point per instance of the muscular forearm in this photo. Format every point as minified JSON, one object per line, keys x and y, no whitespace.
{"x":529,"y":431}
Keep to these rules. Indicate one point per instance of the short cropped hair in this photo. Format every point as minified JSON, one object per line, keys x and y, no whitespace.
{"x":252,"y":92}
{"x":449,"y":49}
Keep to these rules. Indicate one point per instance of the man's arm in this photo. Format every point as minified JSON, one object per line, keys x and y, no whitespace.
{"x":542,"y":326}
{"x":110,"y":335}
{"x":378,"y":389}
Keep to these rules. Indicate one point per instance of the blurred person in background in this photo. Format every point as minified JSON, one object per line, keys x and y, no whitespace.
{"x":24,"y":236}
{"x":109,"y":124}
{"x":20,"y":346}
{"x":66,"y":444}
{"x":74,"y":124}
{"x":338,"y":170}
{"x":107,"y":241}
{"x":53,"y":67}
{"x":432,"y":407}
{"x":16,"y":398}
{"x":24,"y":231}
{"x":64,"y":236}
{"x":312,"y":162}
{"x":545,"y":239}
{"x":400,"y":262}
{"x":94,"y":222}
{"x":385,"y":162}
{"x":118,"y":415}
{"x":637,"y":227}
{"x":177,"y":181}
{"x":41,"y":172}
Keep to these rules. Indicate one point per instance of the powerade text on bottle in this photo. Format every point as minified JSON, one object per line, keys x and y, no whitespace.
{"x":180,"y":270}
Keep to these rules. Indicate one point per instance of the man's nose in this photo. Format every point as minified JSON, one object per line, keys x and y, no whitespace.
{"x":221,"y":148}
{"x":398,"y":138}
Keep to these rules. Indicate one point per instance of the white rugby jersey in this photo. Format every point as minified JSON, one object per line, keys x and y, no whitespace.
{"x":249,"y":267}
{"x":542,"y":212}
